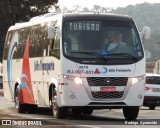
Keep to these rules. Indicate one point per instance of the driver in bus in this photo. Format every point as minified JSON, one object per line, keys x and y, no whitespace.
{"x":117,"y":41}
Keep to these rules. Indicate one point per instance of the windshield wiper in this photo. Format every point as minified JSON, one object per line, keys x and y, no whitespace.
{"x":92,"y":53}
{"x":123,"y":54}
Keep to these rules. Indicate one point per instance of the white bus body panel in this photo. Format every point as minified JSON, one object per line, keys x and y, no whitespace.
{"x":40,"y":80}
{"x":78,"y":95}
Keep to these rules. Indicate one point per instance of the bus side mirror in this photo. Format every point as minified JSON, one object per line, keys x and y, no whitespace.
{"x":145,"y":33}
{"x":51,"y":32}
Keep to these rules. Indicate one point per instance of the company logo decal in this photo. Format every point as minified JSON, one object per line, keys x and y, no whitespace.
{"x":39,"y":66}
{"x":101,"y":71}
{"x":107,"y":80}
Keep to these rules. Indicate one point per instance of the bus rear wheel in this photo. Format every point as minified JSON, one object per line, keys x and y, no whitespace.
{"x":130,"y":112}
{"x":58,"y":112}
{"x":31,"y":108}
{"x":21,"y":108}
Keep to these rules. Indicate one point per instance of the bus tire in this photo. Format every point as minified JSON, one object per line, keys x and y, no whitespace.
{"x":77,"y":111}
{"x":87,"y":111}
{"x":21,"y":108}
{"x":152,"y":107}
{"x":31,"y":108}
{"x":58,"y":112}
{"x":130,"y":112}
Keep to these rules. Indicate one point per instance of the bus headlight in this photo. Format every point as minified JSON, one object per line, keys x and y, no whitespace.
{"x":77,"y":80}
{"x":137,"y":79}
{"x":134,"y":80}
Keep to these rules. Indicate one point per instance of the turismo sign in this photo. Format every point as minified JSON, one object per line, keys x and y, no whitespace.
{"x":84,"y":26}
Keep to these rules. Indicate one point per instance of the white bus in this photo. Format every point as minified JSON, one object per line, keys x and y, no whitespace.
{"x":62,"y":61}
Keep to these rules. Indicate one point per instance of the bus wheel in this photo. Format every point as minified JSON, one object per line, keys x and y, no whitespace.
{"x":130,"y":112}
{"x":21,"y":108}
{"x":87,"y":111}
{"x":58,"y":112}
{"x":31,"y":108}
{"x":77,"y":111}
{"x":152,"y":107}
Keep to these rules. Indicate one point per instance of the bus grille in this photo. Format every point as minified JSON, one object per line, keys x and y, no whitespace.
{"x":107,"y":81}
{"x":107,"y":95}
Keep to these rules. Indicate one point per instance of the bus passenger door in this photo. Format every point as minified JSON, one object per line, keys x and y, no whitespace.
{"x":47,"y":68}
{"x":51,"y":55}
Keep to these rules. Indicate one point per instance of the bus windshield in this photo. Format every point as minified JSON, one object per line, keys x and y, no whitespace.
{"x":107,"y":39}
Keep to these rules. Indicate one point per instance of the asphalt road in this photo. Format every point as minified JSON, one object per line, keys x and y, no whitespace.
{"x":99,"y":118}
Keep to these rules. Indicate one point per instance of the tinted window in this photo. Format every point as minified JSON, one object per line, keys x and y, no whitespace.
{"x":33,"y":41}
{"x":7,"y":44}
{"x":23,"y":35}
{"x":152,"y":80}
{"x":55,"y":46}
{"x":82,"y":37}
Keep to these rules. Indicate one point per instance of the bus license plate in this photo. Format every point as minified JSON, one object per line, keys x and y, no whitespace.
{"x":107,"y":89}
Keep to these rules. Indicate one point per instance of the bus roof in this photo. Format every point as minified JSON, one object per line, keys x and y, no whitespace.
{"x":49,"y":17}
{"x":35,"y":21}
{"x":97,"y":16}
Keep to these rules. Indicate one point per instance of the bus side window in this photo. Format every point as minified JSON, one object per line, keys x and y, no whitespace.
{"x":39,"y":42}
{"x":33,"y":40}
{"x":7,"y":45}
{"x":21,"y":44}
{"x":47,"y":42}
{"x":55,"y":46}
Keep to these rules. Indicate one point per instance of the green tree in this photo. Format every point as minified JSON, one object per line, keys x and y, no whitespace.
{"x":146,"y":14}
{"x":85,"y":9}
{"x":12,"y":11}
{"x":96,"y":8}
